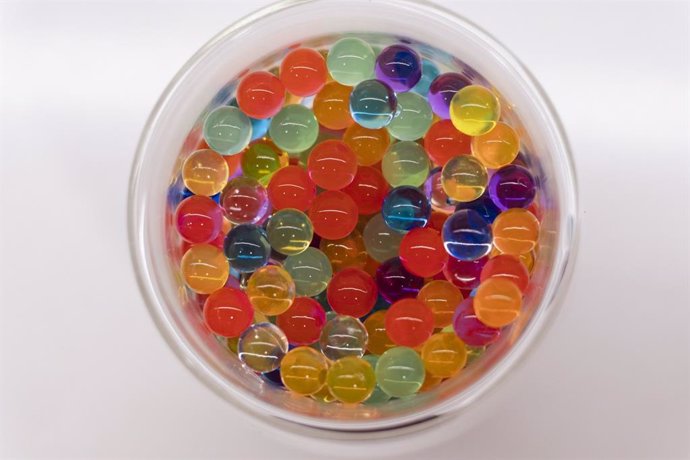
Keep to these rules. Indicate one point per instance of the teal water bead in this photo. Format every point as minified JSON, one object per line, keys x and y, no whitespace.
{"x":429,"y":73}
{"x":378,"y":396}
{"x":350,"y":61}
{"x":373,"y":104}
{"x":311,"y":271}
{"x":227,"y":130}
{"x":294,"y":129}
{"x":289,"y":231}
{"x":412,"y":119}
{"x":400,"y":372}
{"x":405,"y":163}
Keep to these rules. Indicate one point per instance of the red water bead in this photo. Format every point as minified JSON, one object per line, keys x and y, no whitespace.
{"x":291,"y":187}
{"x":260,"y":94}
{"x":303,"y":72}
{"x":199,"y":219}
{"x":508,"y":267}
{"x":333,"y":214}
{"x":228,"y":312}
{"x":437,"y":220}
{"x":368,"y":189}
{"x":352,"y":292}
{"x":443,"y":142}
{"x":303,"y":321}
{"x":409,"y":322}
{"x":465,"y":274}
{"x":468,"y":327}
{"x":332,"y":165}
{"x":422,"y":252}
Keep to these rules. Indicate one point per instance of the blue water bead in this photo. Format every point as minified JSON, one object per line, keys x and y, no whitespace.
{"x":466,"y":235}
{"x":429,"y":72}
{"x":484,"y":205}
{"x":405,"y":208}
{"x":399,"y":66}
{"x":273,"y":377}
{"x":246,"y":247}
{"x":186,"y":193}
{"x":373,"y":104}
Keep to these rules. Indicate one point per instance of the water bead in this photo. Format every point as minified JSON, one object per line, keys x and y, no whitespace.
{"x":198,"y":219}
{"x":399,"y":66}
{"x":405,"y":163}
{"x":412,"y":119}
{"x":516,"y":231}
{"x":303,"y":370}
{"x":246,"y":247}
{"x":345,"y":252}
{"x":464,"y":178}
{"x":497,"y":302}
{"x":373,"y":104}
{"x":430,"y":382}
{"x":498,"y":147}
{"x":443,"y":141}
{"x":409,"y":322}
{"x":271,"y":290}
{"x":512,"y":186}
{"x":442,"y":298}
{"x":228,"y":312}
{"x":507,"y":267}
{"x":273,"y":378}
{"x":381,"y":242}
{"x":259,"y":128}
{"x":378,"y":342}
{"x":465,"y":274}
{"x":333,"y":214}
{"x":261,"y":159}
{"x":294,"y":129}
{"x":378,"y":396}
{"x":422,"y":252}
{"x":310,"y":270}
{"x":350,"y":61}
{"x":405,"y":208}
{"x":244,"y":201}
{"x":227,"y":130}
{"x":484,"y":205}
{"x":351,"y":379}
{"x":369,"y":145}
{"x":429,"y":73}
{"x":260,"y":94}
{"x":400,"y":372}
{"x":332,"y":106}
{"x":368,"y":189}
{"x":352,"y":292}
{"x":474,"y":110}
{"x":289,"y":231}
{"x":291,"y":187}
{"x":442,"y":90}
{"x":433,"y":188}
{"x":466,"y":235}
{"x":303,"y":321}
{"x":343,"y":336}
{"x":332,"y":165}
{"x":323,"y":395}
{"x":205,"y":172}
{"x":262,"y":346}
{"x":437,"y":220}
{"x":468,"y":327}
{"x":303,"y":72}
{"x":395,"y":282}
{"x":204,"y":268}
{"x":444,"y":355}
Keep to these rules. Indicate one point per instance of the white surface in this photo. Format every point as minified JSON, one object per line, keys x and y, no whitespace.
{"x":83,"y":371}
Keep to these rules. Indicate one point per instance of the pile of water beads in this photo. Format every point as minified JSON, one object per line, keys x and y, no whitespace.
{"x":356,"y":225}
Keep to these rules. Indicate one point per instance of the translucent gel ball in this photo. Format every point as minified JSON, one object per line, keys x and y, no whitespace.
{"x":303,"y":72}
{"x":247,"y":248}
{"x":442,"y":298}
{"x":433,"y":188}
{"x":484,"y":205}
{"x":294,"y":129}
{"x":422,"y":252}
{"x":516,"y":231}
{"x":204,"y":268}
{"x":289,"y":231}
{"x":409,"y":322}
{"x":334,"y":215}
{"x":465,"y":274}
{"x":444,"y":355}
{"x":512,"y":186}
{"x":205,"y":172}
{"x":332,"y":106}
{"x":291,"y":187}
{"x":311,"y":270}
{"x":368,"y":189}
{"x":474,"y":110}
{"x":345,"y":252}
{"x":351,"y":379}
{"x":406,"y":208}
{"x":464,"y":178}
{"x":400,"y":372}
{"x":244,"y":201}
{"x":262,"y":346}
{"x":261,"y":159}
{"x":442,"y":90}
{"x":227,"y":130}
{"x":498,"y":147}
{"x":497,"y":302}
{"x":350,"y":61}
{"x":332,"y":165}
{"x":303,"y":370}
{"x":468,"y":327}
{"x":373,"y":104}
{"x":260,"y":94}
{"x":369,"y":145}
{"x":378,"y":342}
{"x":378,"y":396}
{"x":395,"y":282}
{"x":399,"y":66}
{"x":352,"y":292}
{"x":443,"y":142}
{"x":381,"y":242}
{"x":467,"y":236}
{"x":429,"y":73}
{"x":271,"y":290}
{"x":303,"y":321}
{"x":343,"y":336}
{"x":507,"y":267}
{"x":198,"y":219}
{"x":405,"y":163}
{"x":228,"y":312}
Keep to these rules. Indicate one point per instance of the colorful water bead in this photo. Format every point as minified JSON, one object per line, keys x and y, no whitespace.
{"x":333,"y":214}
{"x":484,"y":205}
{"x":465,"y":274}
{"x":470,"y":329}
{"x":303,"y":370}
{"x":406,"y":208}
{"x":497,"y":302}
{"x":474,"y":110}
{"x":405,"y":163}
{"x":262,"y":346}
{"x":498,"y":147}
{"x":303,"y":321}
{"x":409,"y":322}
{"x":244,"y":201}
{"x":352,"y":292}
{"x":369,"y":145}
{"x":332,"y":165}
{"x":400,"y":372}
{"x":516,"y":231}
{"x":395,"y":282}
{"x":373,"y":104}
{"x":294,"y":129}
{"x":378,"y":396}
{"x":303,"y":72}
{"x":422,"y":252}
{"x":442,"y":90}
{"x":368,"y":189}
{"x":205,"y":172}
{"x":466,"y":235}
{"x":198,"y":219}
{"x":507,"y":267}
{"x":444,"y":355}
{"x":259,"y":127}
{"x":378,"y":342}
{"x":289,"y":231}
{"x":343,"y":336}
{"x":443,"y":141}
{"x":345,"y":252}
{"x":381,"y":242}
{"x":433,"y":188}
{"x":260,"y":94}
{"x":246,"y":247}
{"x":311,"y":271}
{"x":351,"y":60}
{"x":429,"y":73}
{"x":442,"y":298}
{"x":228,"y":312}
{"x":412,"y":119}
{"x":271,"y":290}
{"x":204,"y":268}
{"x":399,"y":66}
{"x":227,"y":130}
{"x":261,"y":159}
{"x":464,"y":178}
{"x":512,"y":186}
{"x":291,"y":187}
{"x":332,"y":106}
{"x":351,"y":379}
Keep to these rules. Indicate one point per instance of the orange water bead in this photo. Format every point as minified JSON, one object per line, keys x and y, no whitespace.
{"x":497,"y":302}
{"x":204,"y":268}
{"x":369,"y":145}
{"x":332,"y":106}
{"x":515,"y":231}
{"x":205,"y":172}
{"x":507,"y":267}
{"x":443,"y":298}
{"x":345,"y":252}
{"x":378,"y":342}
{"x":303,"y":72}
{"x":443,"y":141}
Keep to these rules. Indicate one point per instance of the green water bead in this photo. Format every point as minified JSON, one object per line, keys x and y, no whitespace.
{"x":294,"y":129}
{"x":413,"y":118}
{"x":378,"y":396}
{"x":380,"y":241}
{"x":400,"y":372}
{"x":311,"y":270}
{"x":261,"y":160}
{"x":350,"y":61}
{"x":227,"y":130}
{"x":405,"y":163}
{"x":289,"y":231}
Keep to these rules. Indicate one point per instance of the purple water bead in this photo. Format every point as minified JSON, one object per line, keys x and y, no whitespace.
{"x":468,"y":327}
{"x":395,"y":283}
{"x":399,"y":66}
{"x":512,"y":186}
{"x":484,"y":205}
{"x":442,"y":90}
{"x":465,"y":274}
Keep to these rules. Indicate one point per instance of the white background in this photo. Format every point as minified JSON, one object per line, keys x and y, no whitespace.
{"x":83,"y":371}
